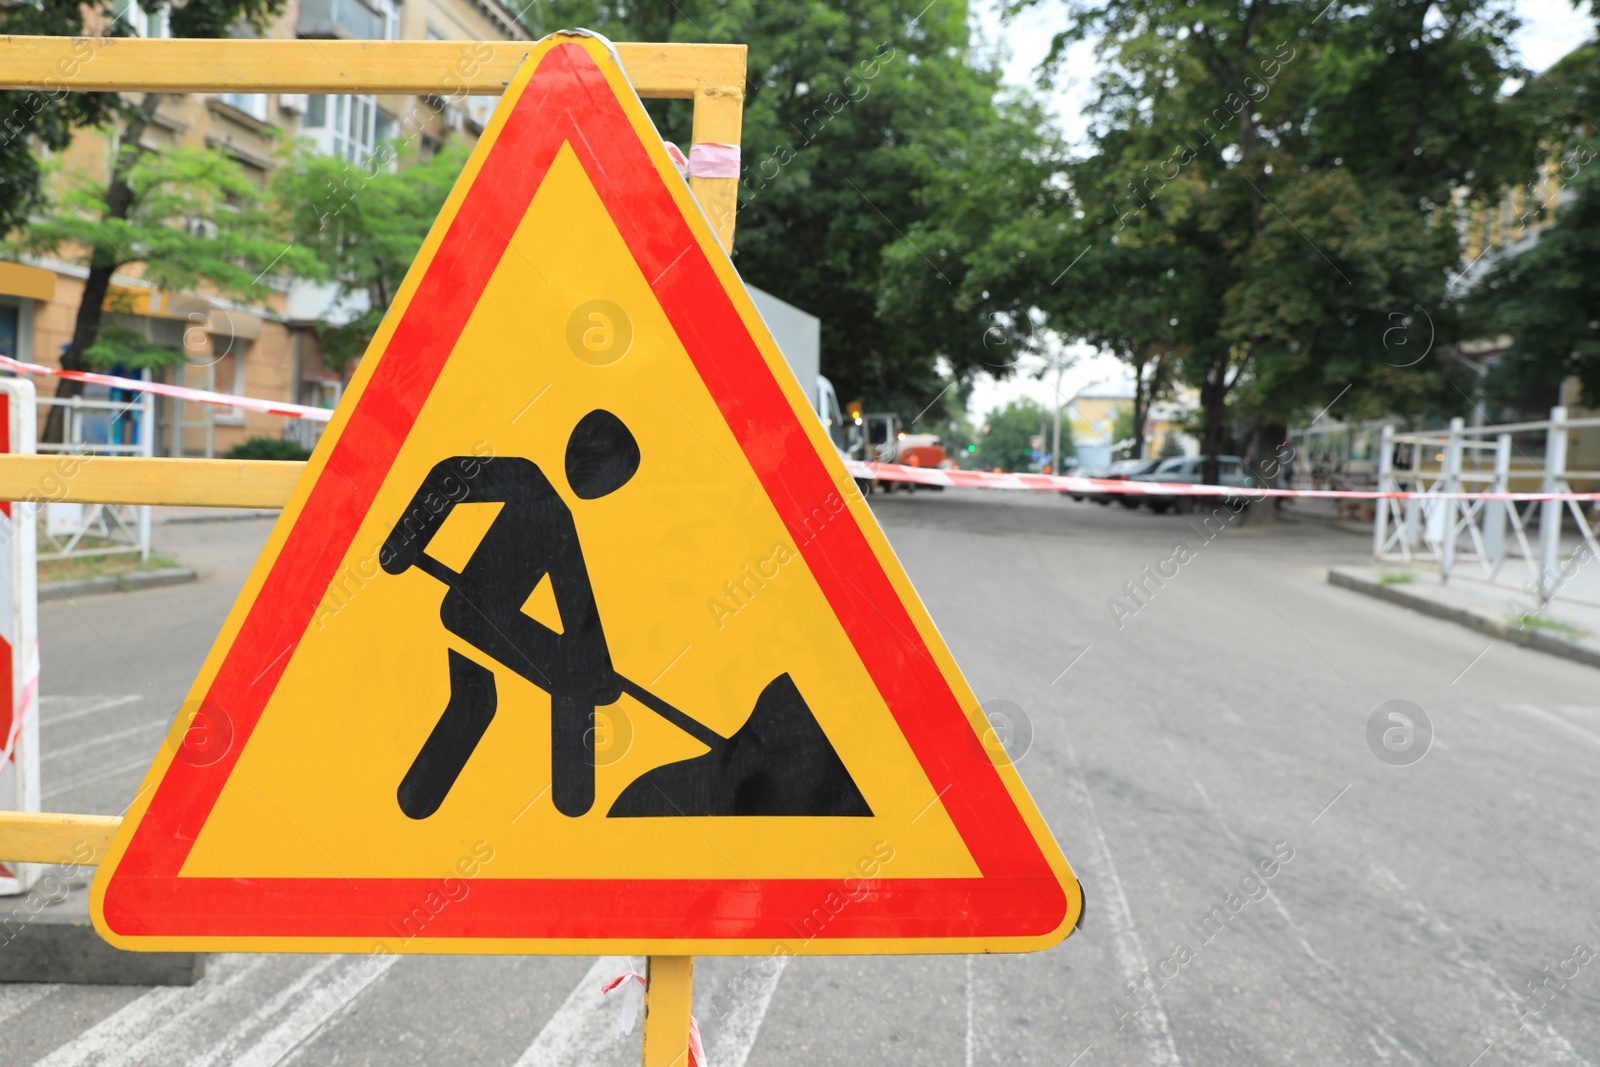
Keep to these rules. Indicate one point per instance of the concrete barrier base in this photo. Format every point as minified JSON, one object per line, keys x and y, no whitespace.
{"x":55,"y":942}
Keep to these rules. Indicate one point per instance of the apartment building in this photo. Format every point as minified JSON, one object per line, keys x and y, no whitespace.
{"x":268,"y":350}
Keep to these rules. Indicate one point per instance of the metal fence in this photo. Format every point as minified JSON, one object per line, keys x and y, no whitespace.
{"x":1481,"y":538}
{"x":98,"y":427}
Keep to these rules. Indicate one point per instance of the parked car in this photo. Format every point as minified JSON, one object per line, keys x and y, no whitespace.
{"x":1190,"y":470}
{"x":1118,"y":471}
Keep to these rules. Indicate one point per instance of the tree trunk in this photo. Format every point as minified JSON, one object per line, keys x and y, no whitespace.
{"x":103,"y":263}
{"x":1141,"y":412}
{"x":1266,"y":467}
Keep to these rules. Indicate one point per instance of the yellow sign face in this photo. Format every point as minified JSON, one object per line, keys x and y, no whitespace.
{"x":575,"y":636}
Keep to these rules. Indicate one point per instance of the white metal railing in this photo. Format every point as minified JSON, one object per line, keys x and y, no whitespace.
{"x":98,"y":427}
{"x":1484,"y":535}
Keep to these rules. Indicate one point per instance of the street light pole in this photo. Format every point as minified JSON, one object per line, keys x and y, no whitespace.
{"x":1055,"y":440}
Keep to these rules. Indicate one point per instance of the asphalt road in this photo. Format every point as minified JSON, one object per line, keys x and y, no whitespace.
{"x":1177,"y":750}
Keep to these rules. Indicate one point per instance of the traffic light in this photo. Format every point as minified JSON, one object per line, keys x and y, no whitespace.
{"x":971,"y":449}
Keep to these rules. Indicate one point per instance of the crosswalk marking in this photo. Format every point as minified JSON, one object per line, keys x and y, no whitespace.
{"x":736,"y":1035}
{"x":317,"y":1004}
{"x":223,"y":1050}
{"x":143,"y":1025}
{"x":94,"y":707}
{"x":579,"y":1031}
{"x":148,"y":729}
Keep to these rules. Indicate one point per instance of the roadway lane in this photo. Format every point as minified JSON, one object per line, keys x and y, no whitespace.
{"x":1221,"y":727}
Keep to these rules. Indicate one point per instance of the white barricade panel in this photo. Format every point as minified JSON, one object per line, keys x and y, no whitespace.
{"x":19,"y":634}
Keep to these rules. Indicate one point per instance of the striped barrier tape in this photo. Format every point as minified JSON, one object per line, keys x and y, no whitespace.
{"x":1064,"y":483}
{"x":180,"y":392}
{"x":883,"y":472}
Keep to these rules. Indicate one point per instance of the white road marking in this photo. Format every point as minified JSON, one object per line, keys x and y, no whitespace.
{"x":1555,"y":720}
{"x":163,"y":1025}
{"x":225,"y":1049}
{"x":970,"y":1041}
{"x":1135,"y":964}
{"x":1553,"y":1047}
{"x":144,"y":1025}
{"x":57,"y":752}
{"x":97,"y":705}
{"x":315,"y":1005}
{"x":16,"y":999}
{"x":81,"y":780}
{"x":581,"y":1028}
{"x":736,"y":1035}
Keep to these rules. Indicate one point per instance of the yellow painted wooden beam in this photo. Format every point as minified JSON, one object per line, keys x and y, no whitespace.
{"x":205,"y":483}
{"x":45,"y":837}
{"x":440,"y":68}
{"x":719,"y":118}
{"x":712,"y":75}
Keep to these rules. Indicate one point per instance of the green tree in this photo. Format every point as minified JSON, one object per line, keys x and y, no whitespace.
{"x":194,"y":219}
{"x":366,"y":222}
{"x":1007,"y":443}
{"x":860,"y":117}
{"x":1547,"y":297}
{"x":1127,"y":441}
{"x":196,"y":18}
{"x":45,"y":118}
{"x":1270,"y":192}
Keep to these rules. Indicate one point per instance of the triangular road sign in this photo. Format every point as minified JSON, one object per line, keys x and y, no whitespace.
{"x":575,"y":636}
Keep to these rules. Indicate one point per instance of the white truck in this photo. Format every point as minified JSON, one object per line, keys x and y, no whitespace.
{"x":799,"y":337}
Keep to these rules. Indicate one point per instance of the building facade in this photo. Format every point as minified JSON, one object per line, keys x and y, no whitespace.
{"x":1096,"y":411}
{"x":267,"y":350}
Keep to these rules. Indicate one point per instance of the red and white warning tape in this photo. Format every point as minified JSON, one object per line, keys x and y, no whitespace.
{"x":895,"y":472}
{"x":181,"y":392}
{"x":706,"y":159}
{"x":883,"y":472}
{"x":632,"y":985}
{"x":25,"y":705}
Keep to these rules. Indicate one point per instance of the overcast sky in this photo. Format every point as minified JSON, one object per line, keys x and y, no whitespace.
{"x":1551,"y":29}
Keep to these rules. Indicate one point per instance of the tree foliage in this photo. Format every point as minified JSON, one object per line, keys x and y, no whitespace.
{"x":863,"y":119}
{"x":1007,"y":443}
{"x":197,"y":220}
{"x":32,"y":119}
{"x":1269,"y":196}
{"x":365,"y":222}
{"x":49,"y":117}
{"x":1546,"y":297}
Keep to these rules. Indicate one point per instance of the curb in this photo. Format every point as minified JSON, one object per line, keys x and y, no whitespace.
{"x":56,"y":942}
{"x":1481,"y":621}
{"x":116,"y":583}
{"x":220,"y":515}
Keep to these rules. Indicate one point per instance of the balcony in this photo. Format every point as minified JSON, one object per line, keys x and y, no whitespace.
{"x":344,"y":19}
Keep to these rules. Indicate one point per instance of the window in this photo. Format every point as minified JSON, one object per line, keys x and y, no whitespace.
{"x":139,"y":23}
{"x":10,"y":331}
{"x":348,"y":19}
{"x":252,"y":104}
{"x":1171,"y":466}
{"x":345,"y":126}
{"x":385,"y":127}
{"x":229,"y":372}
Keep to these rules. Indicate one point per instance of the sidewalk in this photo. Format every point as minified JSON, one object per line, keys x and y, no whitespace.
{"x":1569,"y":627}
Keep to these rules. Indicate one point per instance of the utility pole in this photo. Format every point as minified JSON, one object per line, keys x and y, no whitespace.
{"x":1055,"y":440}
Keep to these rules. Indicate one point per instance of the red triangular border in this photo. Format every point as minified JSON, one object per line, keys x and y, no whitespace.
{"x":569,"y":100}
